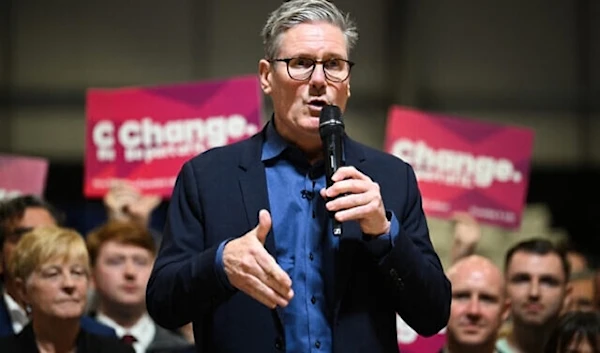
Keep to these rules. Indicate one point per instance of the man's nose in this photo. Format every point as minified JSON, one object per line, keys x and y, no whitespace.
{"x":534,"y":290}
{"x":318,"y":79}
{"x":474,"y":307}
{"x":129,"y":270}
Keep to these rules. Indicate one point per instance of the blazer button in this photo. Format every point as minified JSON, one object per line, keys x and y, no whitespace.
{"x":279,"y":344}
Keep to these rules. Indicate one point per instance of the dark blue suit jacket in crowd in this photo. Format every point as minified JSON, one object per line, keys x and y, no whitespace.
{"x":87,"y":323}
{"x":218,"y":195}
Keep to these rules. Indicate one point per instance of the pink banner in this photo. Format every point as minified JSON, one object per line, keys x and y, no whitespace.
{"x":20,"y":175}
{"x":464,"y":165}
{"x":410,"y":342}
{"x":145,"y":134}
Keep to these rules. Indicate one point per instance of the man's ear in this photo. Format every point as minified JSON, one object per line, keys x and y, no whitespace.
{"x":349,"y":91}
{"x":265,"y":74}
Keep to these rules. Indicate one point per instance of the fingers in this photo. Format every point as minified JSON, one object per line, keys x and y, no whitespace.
{"x":355,"y":212}
{"x":261,"y":292}
{"x":463,"y":217}
{"x":348,"y":180}
{"x":264,"y":225}
{"x":257,"y":274}
{"x":348,"y":172}
{"x":274,"y":276}
{"x":251,"y":269}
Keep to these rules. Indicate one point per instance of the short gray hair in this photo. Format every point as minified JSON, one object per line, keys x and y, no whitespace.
{"x":295,"y":12}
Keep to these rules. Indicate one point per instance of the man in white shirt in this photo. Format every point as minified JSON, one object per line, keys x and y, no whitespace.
{"x":122,"y":255}
{"x":537,"y":276}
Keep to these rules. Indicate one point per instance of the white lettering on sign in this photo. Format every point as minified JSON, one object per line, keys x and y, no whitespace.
{"x":455,"y":168}
{"x":9,"y":194}
{"x":147,"y":140}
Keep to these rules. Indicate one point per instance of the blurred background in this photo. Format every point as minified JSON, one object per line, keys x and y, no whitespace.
{"x":530,"y":63}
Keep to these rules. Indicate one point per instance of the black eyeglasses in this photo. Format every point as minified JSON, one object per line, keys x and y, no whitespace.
{"x":301,"y":69}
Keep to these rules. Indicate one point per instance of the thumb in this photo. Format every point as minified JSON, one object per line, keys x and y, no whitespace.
{"x":264,"y":225}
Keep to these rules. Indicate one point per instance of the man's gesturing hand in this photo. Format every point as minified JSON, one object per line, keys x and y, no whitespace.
{"x":251,"y":269}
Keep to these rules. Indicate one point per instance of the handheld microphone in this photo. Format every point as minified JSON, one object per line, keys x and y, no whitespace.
{"x":331,"y":129}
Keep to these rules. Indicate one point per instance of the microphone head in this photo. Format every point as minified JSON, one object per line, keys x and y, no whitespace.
{"x":330,"y":120}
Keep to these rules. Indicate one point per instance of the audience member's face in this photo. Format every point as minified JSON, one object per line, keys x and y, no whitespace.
{"x":582,"y":295}
{"x":296,"y":117}
{"x":58,"y":289}
{"x":577,"y":261}
{"x":536,"y":286}
{"x":121,"y":273}
{"x":478,"y":304}
{"x":32,"y":217}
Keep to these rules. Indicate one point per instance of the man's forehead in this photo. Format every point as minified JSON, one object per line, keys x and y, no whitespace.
{"x":36,"y":217}
{"x":313,"y":35}
{"x":535,"y":265}
{"x":475,"y":271}
{"x":113,"y":247}
{"x":475,"y":276}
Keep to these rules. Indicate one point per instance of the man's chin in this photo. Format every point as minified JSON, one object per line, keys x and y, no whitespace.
{"x":534,"y":320}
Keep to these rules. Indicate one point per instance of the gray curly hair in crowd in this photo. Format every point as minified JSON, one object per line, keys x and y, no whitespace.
{"x":295,"y":12}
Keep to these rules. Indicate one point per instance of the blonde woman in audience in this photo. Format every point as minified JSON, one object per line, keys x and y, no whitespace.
{"x":51,"y":268}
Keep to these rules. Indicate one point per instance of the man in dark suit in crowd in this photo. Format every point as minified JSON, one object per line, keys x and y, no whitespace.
{"x":121,"y":255}
{"x":248,"y":251}
{"x":17,"y":217}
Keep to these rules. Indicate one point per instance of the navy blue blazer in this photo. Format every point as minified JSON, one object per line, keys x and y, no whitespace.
{"x":218,"y":195}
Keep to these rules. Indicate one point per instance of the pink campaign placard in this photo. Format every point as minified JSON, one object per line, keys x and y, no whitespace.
{"x":410,"y":342}
{"x":22,"y":175}
{"x":464,"y":165}
{"x":145,"y":134}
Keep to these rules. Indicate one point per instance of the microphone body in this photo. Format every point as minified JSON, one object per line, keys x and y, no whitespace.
{"x":331,"y":129}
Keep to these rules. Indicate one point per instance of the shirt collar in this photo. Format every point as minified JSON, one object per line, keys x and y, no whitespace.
{"x":18,"y":316}
{"x":143,"y":330}
{"x":274,"y":144}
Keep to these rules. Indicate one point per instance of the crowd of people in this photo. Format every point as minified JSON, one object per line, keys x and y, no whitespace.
{"x":248,"y":261}
{"x":61,"y":289}
{"x":544,"y":300}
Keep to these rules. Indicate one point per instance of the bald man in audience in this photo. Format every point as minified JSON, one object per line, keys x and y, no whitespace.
{"x":479,"y":306}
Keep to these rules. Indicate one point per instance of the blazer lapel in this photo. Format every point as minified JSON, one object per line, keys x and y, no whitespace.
{"x":253,"y":185}
{"x":351,"y":238}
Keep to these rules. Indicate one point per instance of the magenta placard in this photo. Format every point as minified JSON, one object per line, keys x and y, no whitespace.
{"x":22,"y":175}
{"x":410,"y":342}
{"x":145,"y":134}
{"x":464,"y":165}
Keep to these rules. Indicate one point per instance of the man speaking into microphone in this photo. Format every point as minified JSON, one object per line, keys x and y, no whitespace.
{"x":249,"y":253}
